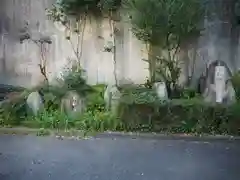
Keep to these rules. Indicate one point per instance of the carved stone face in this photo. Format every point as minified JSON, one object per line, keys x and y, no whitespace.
{"x":74,"y":103}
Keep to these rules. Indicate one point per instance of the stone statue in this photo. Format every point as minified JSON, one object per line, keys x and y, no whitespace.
{"x":72,"y":103}
{"x":221,"y":91}
{"x":161,"y":90}
{"x":111,"y":97}
{"x":35,"y":102}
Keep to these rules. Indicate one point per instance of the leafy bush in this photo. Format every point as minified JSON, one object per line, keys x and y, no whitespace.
{"x":95,"y":100}
{"x":73,"y":80}
{"x":88,"y":121}
{"x":236,"y":84}
{"x":52,"y":95}
{"x":13,"y":110}
{"x":188,"y":93}
{"x":97,"y":121}
{"x":139,"y":110}
{"x":94,"y":7}
{"x":181,"y":116}
{"x":139,"y":97}
{"x":49,"y":120}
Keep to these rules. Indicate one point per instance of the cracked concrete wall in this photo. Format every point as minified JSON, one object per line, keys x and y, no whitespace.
{"x":19,"y":62}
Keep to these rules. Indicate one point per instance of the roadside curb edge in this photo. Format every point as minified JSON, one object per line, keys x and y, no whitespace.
{"x":109,"y":134}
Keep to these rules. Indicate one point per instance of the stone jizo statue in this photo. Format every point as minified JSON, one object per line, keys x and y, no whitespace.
{"x":220,"y":90}
{"x":72,"y":103}
{"x":35,"y":102}
{"x":161,"y":90}
{"x":111,"y":97}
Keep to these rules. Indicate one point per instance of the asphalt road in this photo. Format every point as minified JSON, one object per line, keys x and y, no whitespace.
{"x":43,"y":158}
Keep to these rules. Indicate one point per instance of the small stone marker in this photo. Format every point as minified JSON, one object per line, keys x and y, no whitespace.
{"x":161,"y":90}
{"x":72,"y":102}
{"x":34,"y":102}
{"x":111,"y":97}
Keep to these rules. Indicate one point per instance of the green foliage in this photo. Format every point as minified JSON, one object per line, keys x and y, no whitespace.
{"x":97,"y":121}
{"x":89,"y":121}
{"x":168,"y":70}
{"x":73,"y":80}
{"x":75,"y":7}
{"x":94,"y":7}
{"x":95,"y":100}
{"x":236,"y":84}
{"x":181,"y":116}
{"x":110,"y":5}
{"x":13,"y":110}
{"x":160,"y":22}
{"x":165,"y":24}
{"x":188,"y":93}
{"x":138,"y":94}
{"x":49,"y":120}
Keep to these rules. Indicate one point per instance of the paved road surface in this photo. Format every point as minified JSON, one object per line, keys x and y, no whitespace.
{"x":44,"y":158}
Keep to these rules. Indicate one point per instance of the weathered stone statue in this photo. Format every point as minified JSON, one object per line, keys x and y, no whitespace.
{"x":35,"y":102}
{"x":220,"y":90}
{"x":161,"y":90}
{"x":111,"y":97}
{"x":72,"y":103}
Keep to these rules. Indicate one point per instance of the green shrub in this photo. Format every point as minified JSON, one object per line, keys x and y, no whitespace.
{"x":188,"y":93}
{"x":13,"y":110}
{"x":236,"y":84}
{"x":88,"y":121}
{"x":138,"y":94}
{"x":73,"y":80}
{"x":49,"y":120}
{"x":95,"y":100}
{"x":97,"y":121}
{"x":181,"y":116}
{"x":52,"y":95}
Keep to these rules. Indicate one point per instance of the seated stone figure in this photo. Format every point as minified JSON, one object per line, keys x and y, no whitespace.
{"x":71,"y":103}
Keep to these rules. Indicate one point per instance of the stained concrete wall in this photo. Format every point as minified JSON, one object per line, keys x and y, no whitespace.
{"x":19,"y":62}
